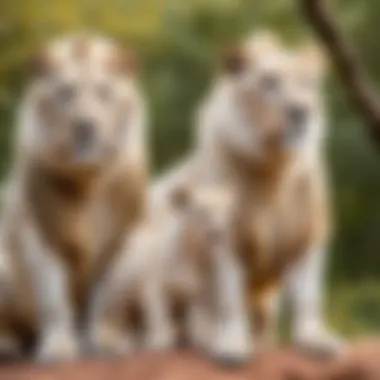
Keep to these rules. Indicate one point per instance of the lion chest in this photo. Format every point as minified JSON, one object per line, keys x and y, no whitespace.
{"x":270,"y":237}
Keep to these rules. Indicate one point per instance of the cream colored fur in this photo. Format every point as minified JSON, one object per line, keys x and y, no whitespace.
{"x":69,"y":203}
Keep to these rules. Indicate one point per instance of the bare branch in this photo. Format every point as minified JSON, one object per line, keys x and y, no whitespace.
{"x":353,"y":77}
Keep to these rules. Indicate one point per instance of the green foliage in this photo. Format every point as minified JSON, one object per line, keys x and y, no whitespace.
{"x":354,"y":310}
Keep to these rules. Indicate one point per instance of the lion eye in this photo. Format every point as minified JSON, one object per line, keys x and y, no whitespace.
{"x":66,"y":93}
{"x":269,"y":83}
{"x":308,"y":83}
{"x":104,"y":93}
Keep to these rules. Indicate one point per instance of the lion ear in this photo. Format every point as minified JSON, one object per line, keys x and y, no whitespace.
{"x":263,"y":42}
{"x":39,"y":63}
{"x":234,"y":59}
{"x":126,"y":61}
{"x":313,"y":61}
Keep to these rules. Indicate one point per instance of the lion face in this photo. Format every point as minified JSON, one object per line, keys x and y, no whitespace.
{"x":84,"y":100}
{"x":275,"y":97}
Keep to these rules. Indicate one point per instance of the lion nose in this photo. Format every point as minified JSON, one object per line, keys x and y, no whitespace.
{"x":84,"y":132}
{"x":297,"y":117}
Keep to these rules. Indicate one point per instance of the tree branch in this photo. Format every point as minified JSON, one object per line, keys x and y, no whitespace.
{"x":353,"y":77}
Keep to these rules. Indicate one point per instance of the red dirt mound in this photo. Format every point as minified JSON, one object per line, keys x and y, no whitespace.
{"x":360,"y":362}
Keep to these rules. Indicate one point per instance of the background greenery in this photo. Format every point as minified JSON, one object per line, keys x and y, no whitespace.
{"x":179,"y":42}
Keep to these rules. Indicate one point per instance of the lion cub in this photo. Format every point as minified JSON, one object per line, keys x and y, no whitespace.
{"x":165,"y":264}
{"x":77,"y":186}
